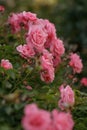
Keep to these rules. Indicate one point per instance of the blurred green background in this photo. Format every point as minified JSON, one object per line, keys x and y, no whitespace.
{"x":69,"y":17}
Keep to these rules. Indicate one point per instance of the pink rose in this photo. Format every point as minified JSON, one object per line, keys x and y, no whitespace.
{"x":39,"y":22}
{"x":46,"y":59}
{"x":39,"y":119}
{"x":47,"y":75}
{"x":28,"y":87}
{"x":57,"y":48}
{"x":30,"y":109}
{"x":28,"y":16}
{"x":35,"y":118}
{"x":67,"y":97}
{"x":56,"y":60}
{"x":36,"y":37}
{"x":84,"y":81}
{"x":17,"y":20}
{"x":62,"y":121}
{"x":14,"y":21}
{"x":76,"y":63}
{"x":47,"y":72}
{"x":51,"y":31}
{"x":6,"y":64}
{"x":2,"y":9}
{"x":26,"y":51}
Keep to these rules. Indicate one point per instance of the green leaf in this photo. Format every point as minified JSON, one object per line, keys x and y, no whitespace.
{"x":7,"y":84}
{"x":11,"y":73}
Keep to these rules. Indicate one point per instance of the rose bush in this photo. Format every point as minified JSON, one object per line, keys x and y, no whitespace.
{"x":35,"y":69}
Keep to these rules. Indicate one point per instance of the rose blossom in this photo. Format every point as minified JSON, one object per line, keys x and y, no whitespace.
{"x":17,"y":20}
{"x":39,"y":119}
{"x":57,"y":48}
{"x":35,"y":118}
{"x":28,"y":16}
{"x":62,"y":120}
{"x":28,"y":87}
{"x":47,"y":75}
{"x":26,"y":51}
{"x":2,"y":9}
{"x":51,"y":31}
{"x":56,"y":60}
{"x":46,"y":58}
{"x":47,"y":72}
{"x":6,"y":64}
{"x":76,"y":63}
{"x":67,"y":97}
{"x":36,"y":37}
{"x":14,"y":21}
{"x":84,"y":81}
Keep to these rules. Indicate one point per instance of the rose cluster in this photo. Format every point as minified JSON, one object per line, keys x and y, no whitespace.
{"x":40,"y":41}
{"x":39,"y":119}
{"x":43,"y":46}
